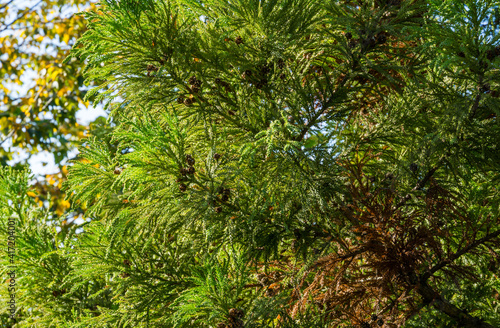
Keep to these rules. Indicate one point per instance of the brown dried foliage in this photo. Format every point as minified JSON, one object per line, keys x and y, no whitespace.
{"x":378,"y":271}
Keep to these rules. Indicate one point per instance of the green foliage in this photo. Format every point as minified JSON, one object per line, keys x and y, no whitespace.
{"x":46,"y":293}
{"x":288,"y":164}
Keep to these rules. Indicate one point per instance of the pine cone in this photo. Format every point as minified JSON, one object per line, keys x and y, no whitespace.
{"x":218,"y":209}
{"x":152,"y":68}
{"x":180,"y":100}
{"x":238,"y":40}
{"x":270,"y":292}
{"x":369,"y":43}
{"x":365,"y":324}
{"x":236,"y":313}
{"x":183,"y":171}
{"x":182,"y":187}
{"x":381,"y":39}
{"x":217,"y":156}
{"x":348,"y":36}
{"x":264,"y":69}
{"x":259,"y":85}
{"x":125,"y":275}
{"x":490,"y":54}
{"x":226,"y":86}
{"x":193,"y":80}
{"x":225,"y":198}
{"x":188,"y":101}
{"x":191,"y":170}
{"x":126,"y":262}
{"x":263,"y":279}
{"x":282,"y":76}
{"x":485,"y":87}
{"x":281,"y":63}
{"x":117,"y":170}
{"x":394,"y":3}
{"x":190,"y":160}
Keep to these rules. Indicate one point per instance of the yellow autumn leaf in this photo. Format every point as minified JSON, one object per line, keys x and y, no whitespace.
{"x":26,"y":110}
{"x":31,"y":194}
{"x":65,"y":204}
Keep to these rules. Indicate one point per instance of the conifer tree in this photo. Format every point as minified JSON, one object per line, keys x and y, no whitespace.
{"x":294,"y":163}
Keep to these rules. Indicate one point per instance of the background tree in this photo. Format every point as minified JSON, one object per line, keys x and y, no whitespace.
{"x":39,"y":95}
{"x":287,"y":164}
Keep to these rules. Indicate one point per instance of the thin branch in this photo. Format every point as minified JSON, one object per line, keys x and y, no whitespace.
{"x":324,"y":106}
{"x":20,"y":16}
{"x":455,"y":256}
{"x":475,"y":106}
{"x":8,"y":136}
{"x":5,"y":5}
{"x":349,"y":255}
{"x":421,"y":183}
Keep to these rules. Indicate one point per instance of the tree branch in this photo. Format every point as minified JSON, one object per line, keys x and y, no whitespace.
{"x":5,"y":5}
{"x":475,"y":106}
{"x":430,"y":296}
{"x":5,"y":27}
{"x":421,"y":183}
{"x":327,"y":104}
{"x":459,"y":253}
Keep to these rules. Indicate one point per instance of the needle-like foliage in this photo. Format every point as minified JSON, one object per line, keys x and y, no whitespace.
{"x":293,"y":163}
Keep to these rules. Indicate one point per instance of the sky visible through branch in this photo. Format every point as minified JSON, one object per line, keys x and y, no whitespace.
{"x":43,"y":162}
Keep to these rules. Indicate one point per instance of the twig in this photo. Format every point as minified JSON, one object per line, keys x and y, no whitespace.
{"x":8,"y":136}
{"x":5,"y":5}
{"x":422,"y":182}
{"x":5,"y":27}
{"x":324,"y":106}
{"x":455,"y":256}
